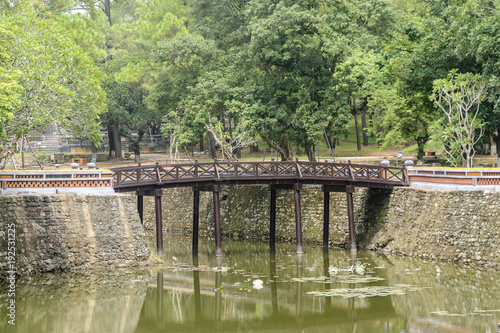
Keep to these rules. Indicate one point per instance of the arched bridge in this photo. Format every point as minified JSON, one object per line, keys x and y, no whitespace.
{"x":333,"y":177}
{"x":140,"y":178}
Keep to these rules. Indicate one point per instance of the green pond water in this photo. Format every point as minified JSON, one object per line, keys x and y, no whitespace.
{"x":251,"y":290}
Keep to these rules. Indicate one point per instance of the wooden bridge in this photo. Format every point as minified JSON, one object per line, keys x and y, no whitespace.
{"x":333,"y":177}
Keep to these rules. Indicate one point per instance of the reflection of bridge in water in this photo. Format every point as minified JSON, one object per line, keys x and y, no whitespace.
{"x":333,"y":177}
{"x":223,"y":306}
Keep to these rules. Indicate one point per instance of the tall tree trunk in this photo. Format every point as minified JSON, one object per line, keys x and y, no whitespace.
{"x":372,"y":135}
{"x":115,"y":144}
{"x":134,"y":145}
{"x":107,"y":10}
{"x":358,"y":140}
{"x":254,"y":148}
{"x":211,"y":145}
{"x":22,"y":151}
{"x":286,"y":150}
{"x":93,"y":148}
{"x":364,"y":128}
{"x":111,"y":140}
{"x":421,"y":141}
{"x":201,"y":143}
{"x":310,"y":153}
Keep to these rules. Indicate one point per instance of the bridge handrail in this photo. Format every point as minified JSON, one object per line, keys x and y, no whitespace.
{"x":214,"y":171}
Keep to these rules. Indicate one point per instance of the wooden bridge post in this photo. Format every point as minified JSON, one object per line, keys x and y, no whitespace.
{"x":326,"y":272}
{"x":350,"y":217}
{"x":140,"y":207}
{"x":274,"y":284}
{"x":159,"y":299}
{"x":159,"y":227}
{"x":326,"y":217}
{"x":272,"y":222}
{"x":218,"y":233}
{"x":197,"y":291}
{"x":196,"y":219}
{"x":298,"y":216}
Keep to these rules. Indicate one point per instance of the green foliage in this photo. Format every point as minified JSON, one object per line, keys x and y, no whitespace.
{"x":61,"y":84}
{"x":269,"y":68}
{"x":437,"y":37}
{"x":127,"y":102}
{"x":10,"y":90}
{"x":89,"y":32}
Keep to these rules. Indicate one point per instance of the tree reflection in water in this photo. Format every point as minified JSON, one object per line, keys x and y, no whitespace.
{"x":206,"y":294}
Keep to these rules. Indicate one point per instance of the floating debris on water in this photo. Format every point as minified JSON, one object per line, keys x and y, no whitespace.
{"x":476,"y":312}
{"x":357,"y":279}
{"x":340,"y":279}
{"x":399,"y":289}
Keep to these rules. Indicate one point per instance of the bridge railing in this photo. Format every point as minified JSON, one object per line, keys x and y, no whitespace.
{"x":189,"y":172}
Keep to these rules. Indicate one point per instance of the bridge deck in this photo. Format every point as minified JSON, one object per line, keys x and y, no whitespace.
{"x":140,"y":178}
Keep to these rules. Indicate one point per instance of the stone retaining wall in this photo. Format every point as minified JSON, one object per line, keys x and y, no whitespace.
{"x":461,"y":226}
{"x":67,"y":232}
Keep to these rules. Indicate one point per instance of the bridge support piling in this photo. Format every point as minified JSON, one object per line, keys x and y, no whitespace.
{"x":350,"y":217}
{"x":140,"y":207}
{"x":298,"y":216}
{"x":218,"y":233}
{"x":326,"y":218}
{"x":159,"y":222}
{"x":272,"y":222}
{"x":196,"y":219}
{"x":159,"y":299}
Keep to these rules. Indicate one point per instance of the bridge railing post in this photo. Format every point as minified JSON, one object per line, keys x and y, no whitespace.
{"x":196,"y":175}
{"x":216,"y":171}
{"x":408,"y":164}
{"x":351,"y":174}
{"x":299,"y":173}
{"x":138,"y":173}
{"x":385,"y":168}
{"x":157,"y":170}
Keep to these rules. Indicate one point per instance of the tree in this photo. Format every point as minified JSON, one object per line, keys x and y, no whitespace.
{"x":191,"y":88}
{"x":436,"y":37}
{"x":229,"y":141}
{"x":10,"y":90}
{"x":127,"y":107}
{"x":459,"y":96}
{"x":61,"y":84}
{"x":298,"y":49}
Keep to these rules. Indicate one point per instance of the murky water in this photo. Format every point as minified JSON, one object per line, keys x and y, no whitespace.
{"x":250,"y":290}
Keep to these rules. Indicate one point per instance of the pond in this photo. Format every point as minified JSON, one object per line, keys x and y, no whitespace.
{"x":251,"y":290}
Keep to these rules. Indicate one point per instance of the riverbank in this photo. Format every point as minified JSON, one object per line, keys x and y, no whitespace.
{"x":61,"y":232}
